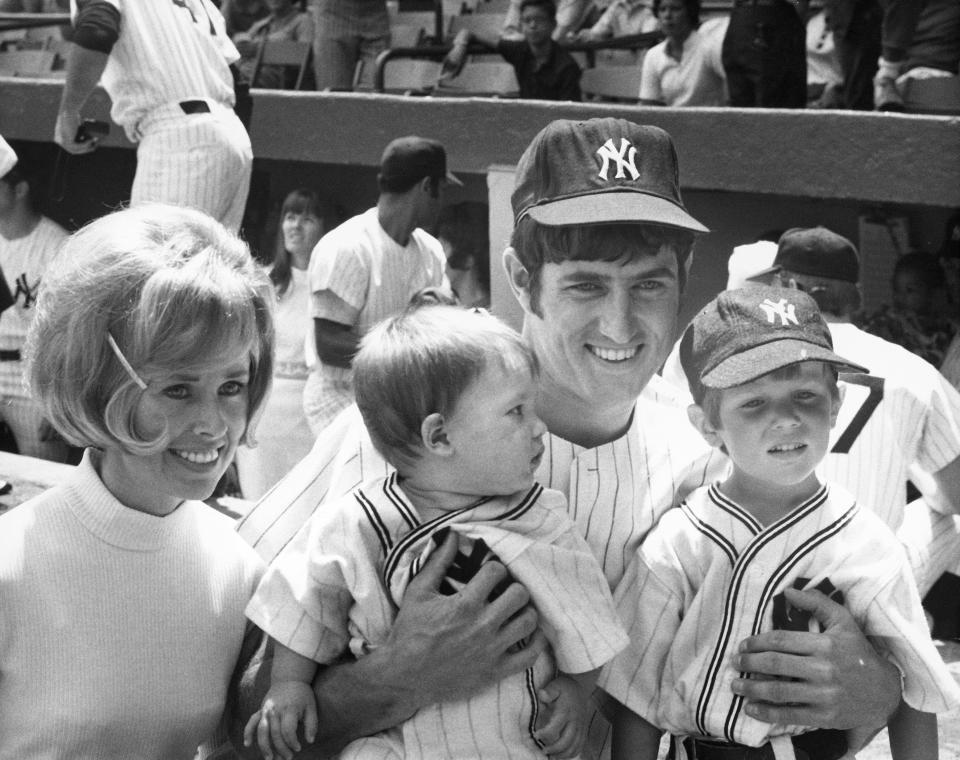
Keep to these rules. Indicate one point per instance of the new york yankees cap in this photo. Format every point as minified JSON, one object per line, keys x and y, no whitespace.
{"x":818,"y":252}
{"x":8,"y":159}
{"x":409,"y":159}
{"x":600,"y":170}
{"x":745,"y":333}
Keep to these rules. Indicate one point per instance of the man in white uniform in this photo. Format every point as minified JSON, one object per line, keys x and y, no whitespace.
{"x":28,"y":242}
{"x":370,"y":267}
{"x":598,"y":261}
{"x":165,"y":65}
{"x":902,"y":422}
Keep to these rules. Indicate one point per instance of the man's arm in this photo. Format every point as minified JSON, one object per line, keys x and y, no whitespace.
{"x":454,"y":60}
{"x":440,"y":648}
{"x":946,"y":498}
{"x":96,"y":29}
{"x":337,"y":343}
{"x":833,"y":679}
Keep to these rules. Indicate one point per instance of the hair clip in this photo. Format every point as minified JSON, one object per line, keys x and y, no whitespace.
{"x":126,"y":365}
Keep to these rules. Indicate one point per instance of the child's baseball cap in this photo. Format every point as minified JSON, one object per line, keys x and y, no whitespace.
{"x":600,"y":170}
{"x":743,"y":334}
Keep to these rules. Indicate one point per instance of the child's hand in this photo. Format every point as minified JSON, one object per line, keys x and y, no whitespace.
{"x":287,"y":704}
{"x":563,"y":729}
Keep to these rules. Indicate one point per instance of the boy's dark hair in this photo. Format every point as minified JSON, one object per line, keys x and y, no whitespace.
{"x":548,"y":5}
{"x":693,"y":15}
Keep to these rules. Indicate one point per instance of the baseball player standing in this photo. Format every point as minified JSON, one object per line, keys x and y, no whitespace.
{"x":165,"y":65}
{"x":28,"y":243}
{"x":901,"y":422}
{"x":598,"y":262}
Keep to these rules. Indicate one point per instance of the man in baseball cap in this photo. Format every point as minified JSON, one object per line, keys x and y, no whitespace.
{"x":407,"y":160}
{"x":598,"y":260}
{"x":370,"y":266}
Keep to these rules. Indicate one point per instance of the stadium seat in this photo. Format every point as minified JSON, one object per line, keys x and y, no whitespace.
{"x":284,"y":53}
{"x":619,"y":84}
{"x":410,"y":76}
{"x":481,"y":79}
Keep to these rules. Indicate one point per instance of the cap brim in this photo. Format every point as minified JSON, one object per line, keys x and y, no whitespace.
{"x":453,"y":179}
{"x":764,"y":272}
{"x":760,"y":360}
{"x":598,"y":208}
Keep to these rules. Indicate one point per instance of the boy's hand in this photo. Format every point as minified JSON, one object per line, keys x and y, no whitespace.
{"x":564,"y":730}
{"x":287,"y":704}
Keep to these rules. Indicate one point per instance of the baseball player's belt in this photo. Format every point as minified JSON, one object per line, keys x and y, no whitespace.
{"x":194,"y":106}
{"x":821,"y":744}
{"x":9,"y":356}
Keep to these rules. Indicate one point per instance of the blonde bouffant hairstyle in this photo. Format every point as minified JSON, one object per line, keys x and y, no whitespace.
{"x":174,"y":289}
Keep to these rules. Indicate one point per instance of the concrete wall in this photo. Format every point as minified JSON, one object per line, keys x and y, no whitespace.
{"x":743,"y":172}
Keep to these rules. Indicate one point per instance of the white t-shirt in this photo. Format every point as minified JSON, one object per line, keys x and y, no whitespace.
{"x":697,"y":79}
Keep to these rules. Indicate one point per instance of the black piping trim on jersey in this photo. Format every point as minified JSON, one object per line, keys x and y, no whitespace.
{"x":728,"y":505}
{"x":376,"y":521}
{"x":430,"y":527}
{"x":766,"y":597}
{"x":733,"y":591}
{"x":391,"y":489}
{"x":534,"y":706}
{"x":724,"y":544}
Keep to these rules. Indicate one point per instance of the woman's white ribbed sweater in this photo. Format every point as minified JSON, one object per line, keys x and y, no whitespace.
{"x":119,"y":630}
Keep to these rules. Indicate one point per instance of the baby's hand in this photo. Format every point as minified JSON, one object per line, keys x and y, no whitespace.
{"x":287,"y":704}
{"x":563,"y":730}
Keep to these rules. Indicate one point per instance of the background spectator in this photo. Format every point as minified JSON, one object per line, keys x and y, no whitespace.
{"x":620,"y":19}
{"x":764,"y":54}
{"x":283,"y":435}
{"x":686,"y":68}
{"x":545,"y":71}
{"x":239,"y":15}
{"x":285,"y":22}
{"x":570,"y":17}
{"x":348,"y":32}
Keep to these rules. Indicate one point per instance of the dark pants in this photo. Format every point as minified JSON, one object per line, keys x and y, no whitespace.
{"x":765,"y":57}
{"x":857,"y":39}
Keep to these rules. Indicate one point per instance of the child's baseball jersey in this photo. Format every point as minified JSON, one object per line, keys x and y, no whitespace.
{"x":336,"y":588}
{"x":706,"y":577}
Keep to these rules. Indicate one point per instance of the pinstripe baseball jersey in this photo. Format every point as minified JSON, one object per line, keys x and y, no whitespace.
{"x":375,"y":277}
{"x":337,"y":585}
{"x":167,"y":51}
{"x":905,"y":413}
{"x":706,"y":577}
{"x":615,"y":492}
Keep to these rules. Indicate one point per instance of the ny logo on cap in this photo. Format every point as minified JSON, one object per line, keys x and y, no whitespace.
{"x":624,"y":158}
{"x":786,"y":311}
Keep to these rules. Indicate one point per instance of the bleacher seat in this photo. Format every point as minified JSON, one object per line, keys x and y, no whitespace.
{"x":410,"y":76}
{"x":620,"y":84}
{"x":481,"y":79}
{"x":283,"y":53}
{"x":936,"y":95}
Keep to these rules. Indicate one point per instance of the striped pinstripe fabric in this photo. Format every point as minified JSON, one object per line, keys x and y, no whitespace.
{"x":168,"y":51}
{"x":330,"y":590}
{"x":372,"y":277}
{"x":615,"y":492}
{"x":705,"y":578}
{"x":23,"y":262}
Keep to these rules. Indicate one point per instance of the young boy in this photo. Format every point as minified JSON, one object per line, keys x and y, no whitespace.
{"x":720,"y":567}
{"x":545,"y":71}
{"x":448,"y":397}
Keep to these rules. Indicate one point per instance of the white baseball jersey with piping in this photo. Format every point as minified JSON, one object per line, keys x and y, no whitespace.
{"x":169,"y":78}
{"x":904,"y":414}
{"x":374,"y":277}
{"x":706,"y":577}
{"x":336,"y":586}
{"x":615,"y":492}
{"x":23,"y":261}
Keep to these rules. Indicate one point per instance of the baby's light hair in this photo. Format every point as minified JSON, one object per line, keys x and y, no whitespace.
{"x":175,"y":290}
{"x":420,"y":363}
